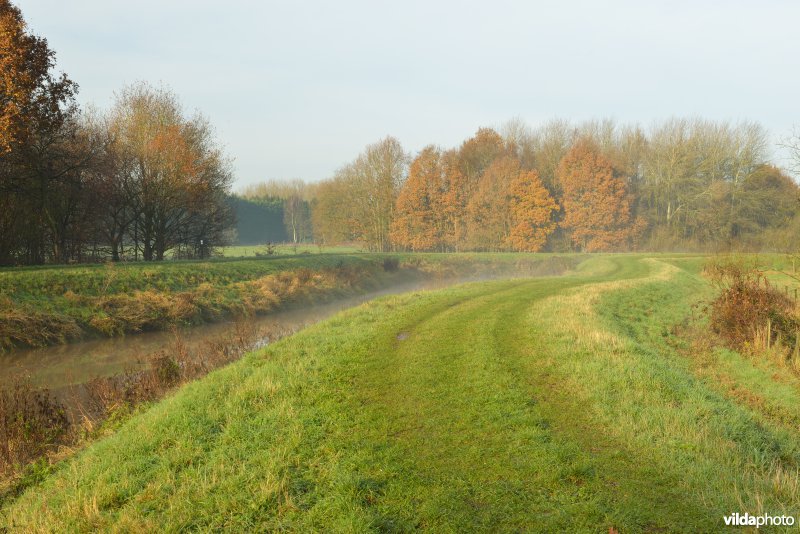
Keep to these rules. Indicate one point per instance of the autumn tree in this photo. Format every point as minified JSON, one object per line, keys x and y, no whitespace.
{"x":363,"y":196}
{"x":510,"y":209}
{"x":597,"y":206}
{"x":29,"y":91}
{"x":489,"y":219}
{"x":551,"y":141}
{"x":478,"y":152}
{"x":113,"y":186}
{"x":454,"y":201}
{"x":379,"y":174}
{"x":43,"y":157}
{"x":178,"y":176}
{"x":420,"y":212}
{"x":532,"y":210}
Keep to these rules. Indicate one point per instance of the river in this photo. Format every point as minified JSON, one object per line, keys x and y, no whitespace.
{"x":58,"y":367}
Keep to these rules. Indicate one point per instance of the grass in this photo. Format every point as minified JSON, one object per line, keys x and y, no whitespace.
{"x":32,"y":284}
{"x":42,"y":306}
{"x":49,"y":305}
{"x":282,"y":249}
{"x":546,"y":405}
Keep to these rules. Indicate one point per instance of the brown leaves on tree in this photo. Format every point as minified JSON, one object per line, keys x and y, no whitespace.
{"x":509,"y":208}
{"x":430,"y":208}
{"x":597,"y":206}
{"x":488,"y":212}
{"x":532,"y":210}
{"x":419,"y":215}
{"x":29,"y":95}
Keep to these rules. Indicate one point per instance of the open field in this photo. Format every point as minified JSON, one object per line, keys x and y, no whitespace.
{"x":571,"y":403}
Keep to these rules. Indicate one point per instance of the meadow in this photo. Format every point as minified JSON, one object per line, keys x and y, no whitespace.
{"x":594,"y":401}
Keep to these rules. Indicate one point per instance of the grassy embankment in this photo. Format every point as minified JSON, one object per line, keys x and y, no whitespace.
{"x":50,"y":305}
{"x":555,"y":404}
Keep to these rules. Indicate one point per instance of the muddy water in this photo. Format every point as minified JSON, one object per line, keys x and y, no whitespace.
{"x":61,"y":366}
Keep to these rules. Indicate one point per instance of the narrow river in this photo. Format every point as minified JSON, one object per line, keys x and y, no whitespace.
{"x":59,"y":367}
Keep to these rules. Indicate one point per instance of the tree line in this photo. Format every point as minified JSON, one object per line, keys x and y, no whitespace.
{"x":288,"y":202}
{"x":139,"y":181}
{"x":146,"y":180}
{"x":683,"y":184}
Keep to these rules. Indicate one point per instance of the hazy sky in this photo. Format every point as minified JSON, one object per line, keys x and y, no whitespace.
{"x":296,"y":89}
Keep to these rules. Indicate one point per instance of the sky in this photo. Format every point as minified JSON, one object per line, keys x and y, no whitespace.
{"x":296,"y":89}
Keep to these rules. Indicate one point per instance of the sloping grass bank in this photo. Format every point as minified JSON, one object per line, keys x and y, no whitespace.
{"x":546,"y":405}
{"x":44,"y":306}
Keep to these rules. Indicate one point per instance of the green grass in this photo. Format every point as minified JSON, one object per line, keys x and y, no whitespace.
{"x":47,"y":305}
{"x":57,"y":304}
{"x":545,"y":405}
{"x":244,"y":251}
{"x":46,"y":282}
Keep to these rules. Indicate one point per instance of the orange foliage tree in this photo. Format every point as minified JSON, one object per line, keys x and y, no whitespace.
{"x":419,"y":216}
{"x":28,"y":92}
{"x":478,"y":152}
{"x":488,"y":214}
{"x":597,"y":206}
{"x":532,"y":209}
{"x":454,"y":202}
{"x":430,"y":210}
{"x":510,"y":209}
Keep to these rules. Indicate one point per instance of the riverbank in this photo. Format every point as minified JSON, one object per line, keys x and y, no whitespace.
{"x":558,"y":404}
{"x":57,"y":398}
{"x":55,"y":305}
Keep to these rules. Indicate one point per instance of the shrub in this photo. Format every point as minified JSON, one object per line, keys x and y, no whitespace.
{"x":167,"y":370}
{"x":30,"y":422}
{"x":749,"y":313}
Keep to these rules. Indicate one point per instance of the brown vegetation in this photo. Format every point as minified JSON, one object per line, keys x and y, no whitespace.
{"x":749,"y":314}
{"x":35,"y":424}
{"x":31,"y":423}
{"x":158,"y":310}
{"x":20,"y":328}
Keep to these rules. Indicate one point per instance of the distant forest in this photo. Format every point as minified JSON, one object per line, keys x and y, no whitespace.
{"x":145,"y":180}
{"x":681,"y":185}
{"x":258,"y":222}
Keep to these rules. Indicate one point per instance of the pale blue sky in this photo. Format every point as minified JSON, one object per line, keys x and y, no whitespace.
{"x":296,"y":89}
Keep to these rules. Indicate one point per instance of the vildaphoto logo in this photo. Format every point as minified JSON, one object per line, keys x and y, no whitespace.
{"x":747,"y":520}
